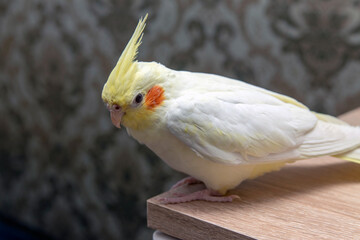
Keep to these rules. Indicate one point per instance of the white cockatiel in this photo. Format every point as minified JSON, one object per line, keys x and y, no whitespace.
{"x":218,"y":130}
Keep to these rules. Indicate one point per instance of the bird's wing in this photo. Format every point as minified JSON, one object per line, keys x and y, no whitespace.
{"x":239,"y":127}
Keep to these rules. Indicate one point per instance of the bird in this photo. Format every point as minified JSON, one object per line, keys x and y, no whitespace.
{"x":219,"y":131}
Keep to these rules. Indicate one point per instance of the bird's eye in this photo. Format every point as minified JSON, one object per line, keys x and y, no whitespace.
{"x":138,"y":99}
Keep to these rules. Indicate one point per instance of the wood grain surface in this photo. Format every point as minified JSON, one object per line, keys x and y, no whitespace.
{"x":311,"y":199}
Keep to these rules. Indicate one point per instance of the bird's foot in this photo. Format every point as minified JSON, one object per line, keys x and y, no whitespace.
{"x":186,"y":181}
{"x":206,"y":195}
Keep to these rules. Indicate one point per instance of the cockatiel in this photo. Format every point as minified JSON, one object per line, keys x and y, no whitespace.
{"x":218,"y":130}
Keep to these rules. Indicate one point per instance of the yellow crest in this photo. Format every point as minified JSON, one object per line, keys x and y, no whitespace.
{"x":123,"y":74}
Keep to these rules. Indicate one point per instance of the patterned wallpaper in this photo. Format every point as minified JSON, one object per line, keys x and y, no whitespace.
{"x":65,"y":169}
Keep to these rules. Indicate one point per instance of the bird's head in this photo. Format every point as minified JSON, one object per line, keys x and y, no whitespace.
{"x":131,"y":93}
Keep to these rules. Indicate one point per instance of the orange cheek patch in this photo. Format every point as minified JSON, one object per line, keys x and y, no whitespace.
{"x":154,"y":97}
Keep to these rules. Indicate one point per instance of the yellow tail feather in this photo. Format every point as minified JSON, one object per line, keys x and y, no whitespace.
{"x":350,"y":159}
{"x":329,"y":119}
{"x":353,"y":156}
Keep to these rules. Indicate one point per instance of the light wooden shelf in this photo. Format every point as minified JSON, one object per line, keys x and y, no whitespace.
{"x":310,"y":199}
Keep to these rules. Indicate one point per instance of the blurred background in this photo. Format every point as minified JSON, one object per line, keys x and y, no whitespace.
{"x":65,"y":170}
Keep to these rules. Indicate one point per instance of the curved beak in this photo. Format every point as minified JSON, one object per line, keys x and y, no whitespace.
{"x":116,"y":114}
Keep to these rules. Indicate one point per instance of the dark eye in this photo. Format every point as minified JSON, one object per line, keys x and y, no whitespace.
{"x":138,"y":99}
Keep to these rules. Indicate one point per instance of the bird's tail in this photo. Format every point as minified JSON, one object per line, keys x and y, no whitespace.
{"x":332,"y":136}
{"x":353,"y":156}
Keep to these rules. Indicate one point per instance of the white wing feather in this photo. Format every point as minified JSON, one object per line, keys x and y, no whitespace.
{"x":239,"y":127}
